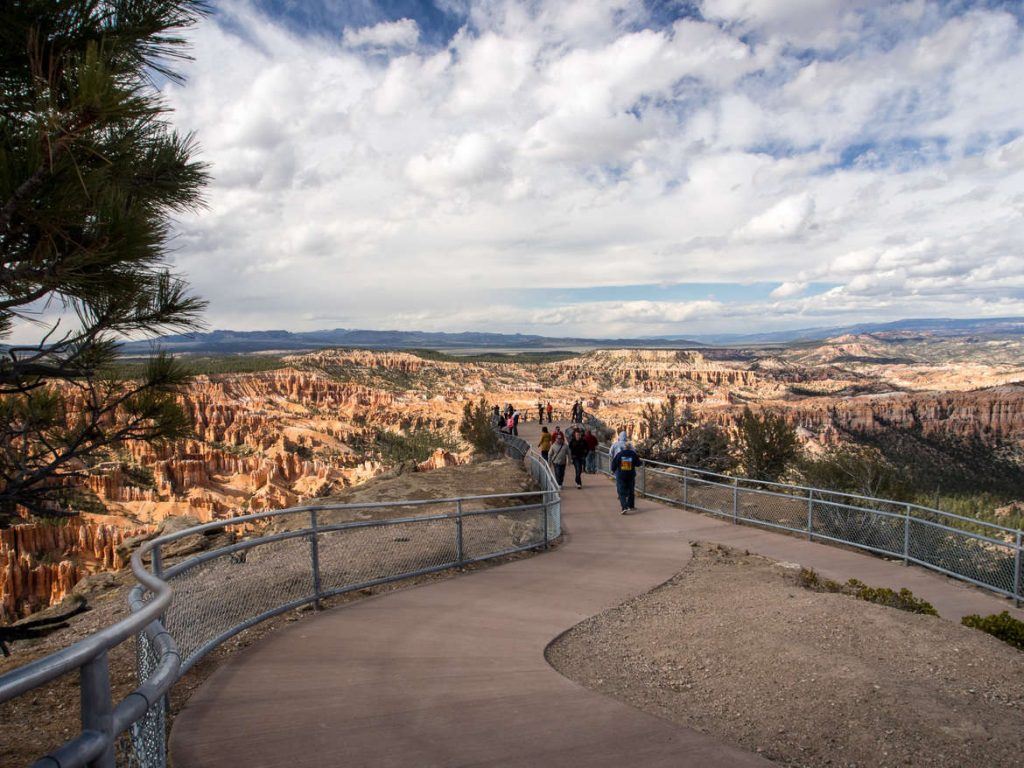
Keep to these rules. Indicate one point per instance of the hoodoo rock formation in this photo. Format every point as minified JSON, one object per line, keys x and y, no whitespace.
{"x":276,"y":438}
{"x":40,"y":563}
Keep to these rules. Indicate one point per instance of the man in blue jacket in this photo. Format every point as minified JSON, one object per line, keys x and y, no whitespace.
{"x":624,"y":467}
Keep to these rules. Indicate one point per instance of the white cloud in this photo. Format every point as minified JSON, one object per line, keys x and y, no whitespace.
{"x":788,"y":290}
{"x":404,"y":33}
{"x":574,"y":144}
{"x":786,"y":218}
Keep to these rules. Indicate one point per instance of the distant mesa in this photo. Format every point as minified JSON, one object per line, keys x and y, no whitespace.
{"x":241,"y":342}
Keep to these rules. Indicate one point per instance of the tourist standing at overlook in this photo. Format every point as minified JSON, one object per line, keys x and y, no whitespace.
{"x":624,"y":467}
{"x":545,"y":443}
{"x":591,"y":440}
{"x":618,"y":445}
{"x":540,"y":412}
{"x":515,"y":422}
{"x":549,"y":409}
{"x":578,"y":449}
{"x":559,"y":457}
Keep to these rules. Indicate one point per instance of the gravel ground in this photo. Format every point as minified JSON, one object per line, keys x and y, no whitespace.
{"x":732,"y":646}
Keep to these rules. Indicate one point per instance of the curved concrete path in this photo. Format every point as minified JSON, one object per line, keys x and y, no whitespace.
{"x":452,"y":673}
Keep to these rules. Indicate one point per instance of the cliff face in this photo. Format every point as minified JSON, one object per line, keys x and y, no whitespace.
{"x":988,"y":414}
{"x":40,"y":563}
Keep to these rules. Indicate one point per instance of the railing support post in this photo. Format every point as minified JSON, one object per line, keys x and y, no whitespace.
{"x":1016,"y":573}
{"x":810,"y":514}
{"x":158,"y":571}
{"x":314,"y":557}
{"x":686,"y":492}
{"x":736,"y":501}
{"x":906,"y":535}
{"x":459,"y":552}
{"x":97,"y":707}
{"x":546,"y":503}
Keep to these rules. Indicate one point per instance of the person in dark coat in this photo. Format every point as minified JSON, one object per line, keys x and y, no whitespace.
{"x":578,"y":450}
{"x":624,"y":467}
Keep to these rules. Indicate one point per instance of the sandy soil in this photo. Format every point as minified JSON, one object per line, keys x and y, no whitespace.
{"x":732,"y":646}
{"x":36,"y":722}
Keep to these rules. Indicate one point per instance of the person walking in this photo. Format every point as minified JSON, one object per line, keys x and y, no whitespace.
{"x":540,"y":412}
{"x":549,"y":409}
{"x":559,"y":457}
{"x":624,"y":467}
{"x":591,"y":440}
{"x":545,"y":443}
{"x":578,"y":450}
{"x":618,"y":445}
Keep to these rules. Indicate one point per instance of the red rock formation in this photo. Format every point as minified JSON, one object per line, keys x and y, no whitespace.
{"x":40,"y":563}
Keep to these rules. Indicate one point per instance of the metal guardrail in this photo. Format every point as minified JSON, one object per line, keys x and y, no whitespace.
{"x":268,"y":563}
{"x":980,"y":553}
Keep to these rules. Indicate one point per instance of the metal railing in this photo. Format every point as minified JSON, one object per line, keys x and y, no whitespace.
{"x":258,"y":566}
{"x":978,"y":552}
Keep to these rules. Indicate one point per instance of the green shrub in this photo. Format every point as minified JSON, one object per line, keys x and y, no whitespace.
{"x":416,"y":446}
{"x":903,"y":600}
{"x":1001,"y":625}
{"x":852,"y":468}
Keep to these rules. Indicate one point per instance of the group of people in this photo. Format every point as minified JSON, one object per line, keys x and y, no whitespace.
{"x":576,"y":413}
{"x":580,"y":448}
{"x":506,"y":420}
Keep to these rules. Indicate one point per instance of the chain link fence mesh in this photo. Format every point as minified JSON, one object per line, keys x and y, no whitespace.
{"x":971,"y":550}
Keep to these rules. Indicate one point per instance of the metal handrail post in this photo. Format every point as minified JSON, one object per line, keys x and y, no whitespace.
{"x":906,"y":535}
{"x":459,"y":552}
{"x":686,"y":493}
{"x":546,"y":505}
{"x":810,"y":514}
{"x":736,"y":501}
{"x":1016,"y":573}
{"x":97,"y":707}
{"x":314,"y":557}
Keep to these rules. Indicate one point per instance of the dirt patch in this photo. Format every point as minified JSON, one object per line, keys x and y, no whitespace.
{"x":43,"y":719}
{"x":734,"y":647}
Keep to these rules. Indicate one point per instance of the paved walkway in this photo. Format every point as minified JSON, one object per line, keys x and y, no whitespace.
{"x":452,"y":673}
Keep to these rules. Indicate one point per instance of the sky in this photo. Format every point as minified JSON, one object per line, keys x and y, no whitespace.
{"x":604,"y":167}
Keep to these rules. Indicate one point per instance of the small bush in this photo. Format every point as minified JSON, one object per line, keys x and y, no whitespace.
{"x":904,"y":600}
{"x":1000,"y":625}
{"x":416,"y":446}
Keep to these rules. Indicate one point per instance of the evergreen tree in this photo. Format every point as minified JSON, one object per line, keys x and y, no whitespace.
{"x":476,"y":428}
{"x":90,"y":174}
{"x":768,"y":445}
